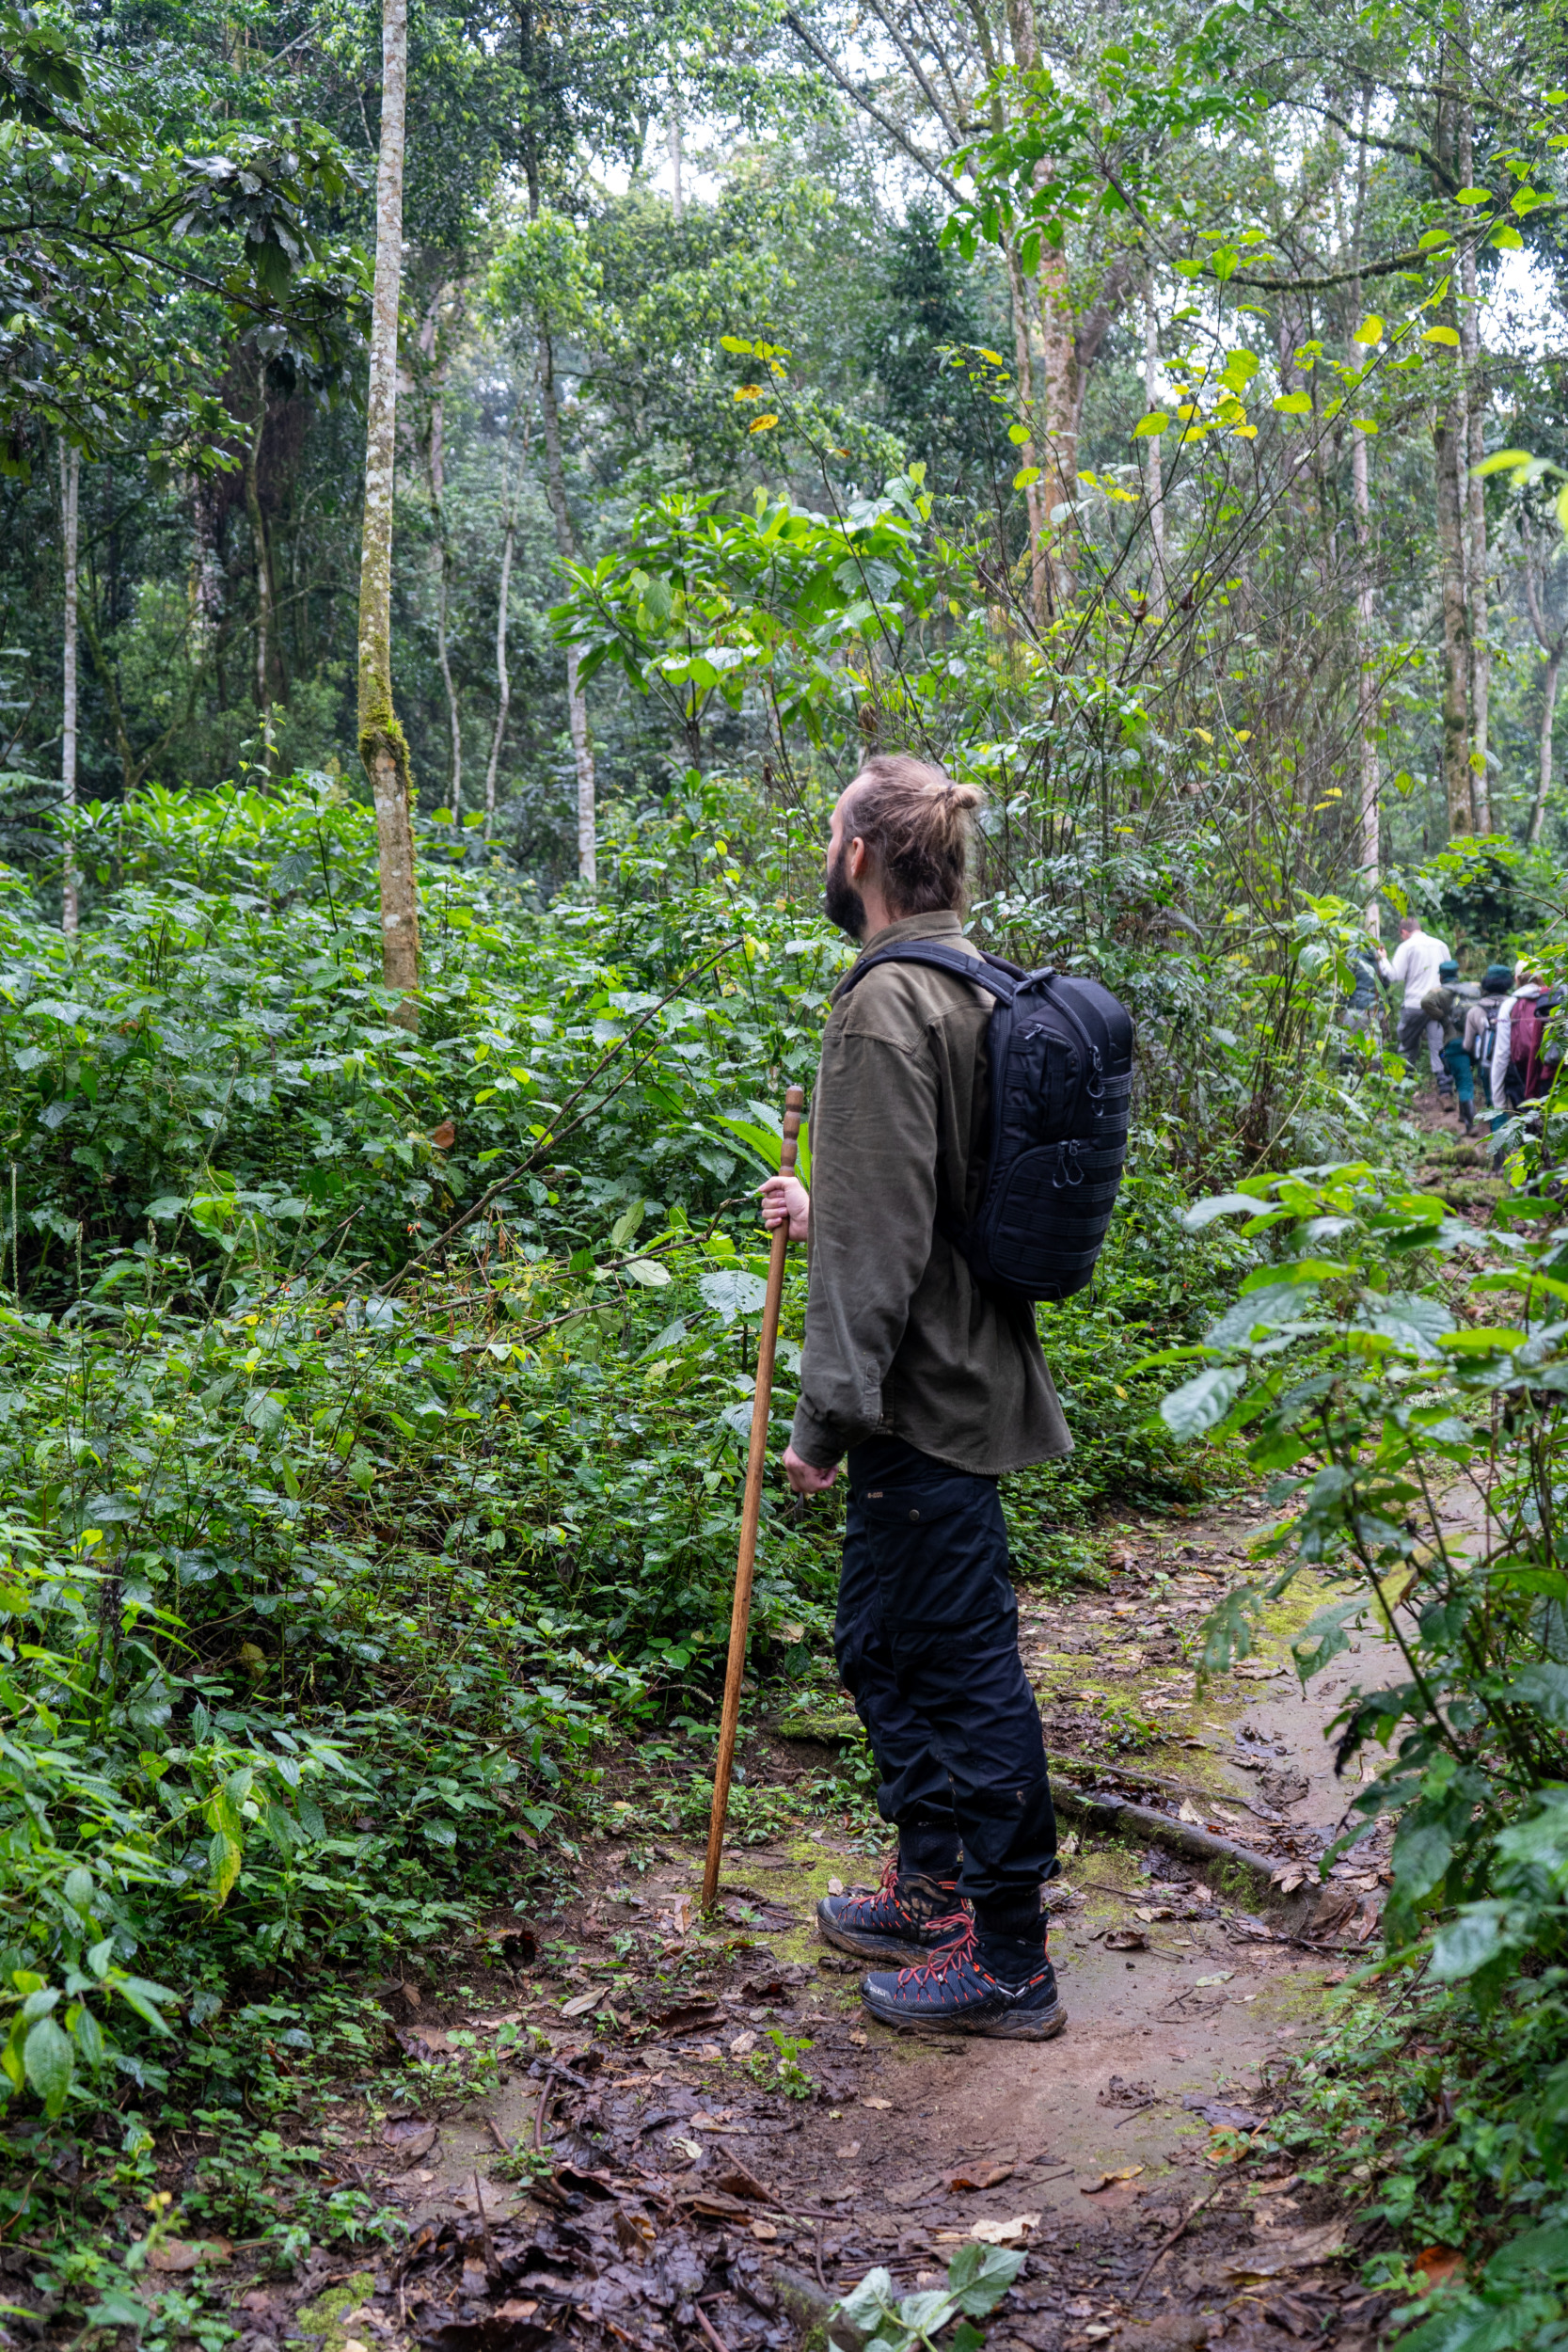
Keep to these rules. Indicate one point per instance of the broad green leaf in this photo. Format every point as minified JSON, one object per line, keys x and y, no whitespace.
{"x":1293,"y":404}
{"x":50,"y":2061}
{"x":223,"y":1858}
{"x":1200,"y":1406}
{"x":1543,"y":1689}
{"x":1146,"y":427}
{"x":1203,"y":1212}
{"x":648,"y":1271}
{"x":1542,"y":2251}
{"x":1466,"y":1943}
{"x":1504,"y":461}
{"x":1444,"y":334}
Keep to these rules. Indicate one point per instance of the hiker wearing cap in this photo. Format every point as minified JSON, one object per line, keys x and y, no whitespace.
{"x":926,"y":1386}
{"x":1442,"y":1003}
{"x":1414,"y":968}
{"x":1480,"y":1024}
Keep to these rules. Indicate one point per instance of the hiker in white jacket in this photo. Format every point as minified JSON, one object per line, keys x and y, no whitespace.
{"x":1414,"y":968}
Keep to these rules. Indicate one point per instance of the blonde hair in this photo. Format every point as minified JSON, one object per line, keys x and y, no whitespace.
{"x":915,"y":822}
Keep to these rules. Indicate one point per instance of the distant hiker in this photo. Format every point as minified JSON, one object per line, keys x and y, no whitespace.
{"x":927,"y":1388}
{"x":1443,"y":1005}
{"x":1523,"y":1064}
{"x":1480,"y":1024}
{"x":1413,"y":968}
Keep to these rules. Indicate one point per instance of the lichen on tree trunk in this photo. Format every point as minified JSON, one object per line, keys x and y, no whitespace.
{"x":382,"y":746}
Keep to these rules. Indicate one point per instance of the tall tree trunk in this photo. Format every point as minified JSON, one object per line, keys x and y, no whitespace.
{"x":1154,"y":464}
{"x":70,"y":486}
{"x":382,"y":746}
{"x":1475,"y":493}
{"x":443,"y":607}
{"x":565,"y":540}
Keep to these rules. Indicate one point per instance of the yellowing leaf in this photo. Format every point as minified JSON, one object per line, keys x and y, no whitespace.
{"x":1473,"y":196}
{"x":1025,"y":476}
{"x":1369,"y":332}
{"x":1203,"y":735}
{"x":1363,"y":425}
{"x":762,"y":425}
{"x":223,"y":1858}
{"x":1293,"y":404}
{"x":1561,"y":506}
{"x":1244,"y":433}
{"x":748,"y":391}
{"x":1018,"y":435}
{"x":1441,"y":335}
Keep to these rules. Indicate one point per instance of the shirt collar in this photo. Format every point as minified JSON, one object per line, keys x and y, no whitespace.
{"x":942,"y":924}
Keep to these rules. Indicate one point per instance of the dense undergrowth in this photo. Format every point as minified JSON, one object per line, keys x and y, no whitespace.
{"x":373,"y":1409}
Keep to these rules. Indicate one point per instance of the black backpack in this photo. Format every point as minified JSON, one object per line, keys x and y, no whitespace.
{"x":1061,"y":1072}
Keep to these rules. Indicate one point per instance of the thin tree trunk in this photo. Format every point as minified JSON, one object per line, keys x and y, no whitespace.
{"x":1154,"y":474}
{"x":503,"y":676}
{"x":503,"y":679}
{"x":259,"y":549}
{"x":1448,"y":445}
{"x":1458,"y":776}
{"x":382,"y":746}
{"x":1553,"y":647}
{"x":70,"y":486}
{"x":1474,"y":491}
{"x":1365,"y":701}
{"x":1058,"y":435}
{"x":577,"y":707}
{"x":1548,"y":721}
{"x":1039,"y":576}
{"x":443,"y":540}
{"x":677,"y":199}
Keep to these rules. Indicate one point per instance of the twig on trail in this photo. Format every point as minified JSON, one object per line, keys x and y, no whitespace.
{"x":816,"y":2256}
{"x":542,"y":2109}
{"x":1175,"y":2238}
{"x":709,"y":2329}
{"x":1133,"y":2113}
{"x":497,"y":2135}
{"x":484,"y":2223}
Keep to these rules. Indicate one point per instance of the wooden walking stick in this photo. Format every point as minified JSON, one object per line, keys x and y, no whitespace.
{"x":751,"y":1510}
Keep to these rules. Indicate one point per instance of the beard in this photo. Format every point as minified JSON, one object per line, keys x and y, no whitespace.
{"x":842,"y":902}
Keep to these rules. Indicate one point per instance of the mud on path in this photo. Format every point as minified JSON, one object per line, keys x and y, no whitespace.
{"x":684,"y":2137}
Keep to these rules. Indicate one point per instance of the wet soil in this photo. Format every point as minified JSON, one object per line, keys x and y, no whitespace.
{"x":687,"y":2134}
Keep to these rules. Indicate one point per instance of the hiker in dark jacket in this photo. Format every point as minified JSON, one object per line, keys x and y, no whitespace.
{"x":1481,"y":1022}
{"x":1444,"y":1004}
{"x":928,"y":1389}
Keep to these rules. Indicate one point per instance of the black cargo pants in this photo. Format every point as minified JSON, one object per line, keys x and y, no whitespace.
{"x":927,"y":1642}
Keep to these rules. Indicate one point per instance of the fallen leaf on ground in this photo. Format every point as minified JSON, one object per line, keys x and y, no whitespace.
{"x":1011,"y":2233}
{"x":851,"y":2148}
{"x":1255,"y":1669}
{"x":1111,"y":2180}
{"x":1221,"y":1976}
{"x":580,"y":2004}
{"x":1189,"y":1812}
{"x":1126,"y":1940}
{"x":875,"y":2103}
{"x":765,"y":2230}
{"x":176,"y":2256}
{"x":1293,"y":2253}
{"x":1119,"y":2093}
{"x":1437,"y":2265}
{"x":743,"y":2044}
{"x":836,"y":1887}
{"x":981,"y":2175}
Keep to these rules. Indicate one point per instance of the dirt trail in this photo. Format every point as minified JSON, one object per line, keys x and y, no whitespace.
{"x":685,"y":2185}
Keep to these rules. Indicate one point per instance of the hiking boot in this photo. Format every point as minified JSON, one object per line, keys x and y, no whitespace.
{"x":1467,"y":1117}
{"x":908,"y":1919}
{"x":1001,"y":1986}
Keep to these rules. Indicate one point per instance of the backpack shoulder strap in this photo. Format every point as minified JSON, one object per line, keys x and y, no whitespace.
{"x":986,"y":974}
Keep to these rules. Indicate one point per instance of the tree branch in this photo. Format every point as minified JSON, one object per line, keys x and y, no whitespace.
{"x":859,"y":98}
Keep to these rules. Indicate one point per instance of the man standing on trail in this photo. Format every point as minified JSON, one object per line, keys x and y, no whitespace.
{"x":1414,"y":969}
{"x":927,"y":1388}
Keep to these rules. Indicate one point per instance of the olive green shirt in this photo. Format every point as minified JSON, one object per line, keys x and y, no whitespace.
{"x":900,"y":1342}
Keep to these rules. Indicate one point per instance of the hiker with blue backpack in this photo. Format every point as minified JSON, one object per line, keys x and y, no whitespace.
{"x":968,"y":1127}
